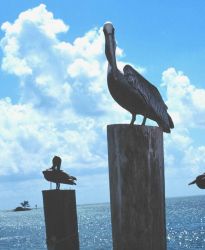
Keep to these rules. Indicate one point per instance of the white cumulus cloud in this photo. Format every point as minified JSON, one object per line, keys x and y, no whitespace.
{"x":185,"y":100}
{"x":186,"y":106}
{"x":65,"y":105}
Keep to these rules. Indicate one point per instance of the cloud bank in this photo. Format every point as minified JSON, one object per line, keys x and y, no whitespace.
{"x":186,"y":103}
{"x":64,"y":104}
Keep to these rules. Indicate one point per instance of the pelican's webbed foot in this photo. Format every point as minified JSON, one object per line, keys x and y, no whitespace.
{"x":133,"y":120}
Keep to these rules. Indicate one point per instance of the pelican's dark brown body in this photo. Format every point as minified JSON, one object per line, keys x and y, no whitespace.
{"x":120,"y":92}
{"x":58,"y":177}
{"x":199,"y":181}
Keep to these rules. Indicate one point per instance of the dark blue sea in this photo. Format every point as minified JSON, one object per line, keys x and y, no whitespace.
{"x":26,"y":230}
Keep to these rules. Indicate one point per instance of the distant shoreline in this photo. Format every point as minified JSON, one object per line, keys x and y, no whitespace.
{"x":107,"y":202}
{"x":20,"y":209}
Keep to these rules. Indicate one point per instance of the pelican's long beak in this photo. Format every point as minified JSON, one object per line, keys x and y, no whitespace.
{"x":110,"y":48}
{"x":193,"y":182}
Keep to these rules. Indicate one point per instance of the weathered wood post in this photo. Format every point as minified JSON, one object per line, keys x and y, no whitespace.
{"x":61,"y":219}
{"x":136,"y":172}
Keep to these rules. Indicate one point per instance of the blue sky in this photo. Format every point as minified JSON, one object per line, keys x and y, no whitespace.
{"x":54,"y":98}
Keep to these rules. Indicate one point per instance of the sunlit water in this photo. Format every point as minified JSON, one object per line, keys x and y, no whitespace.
{"x":26,"y":230}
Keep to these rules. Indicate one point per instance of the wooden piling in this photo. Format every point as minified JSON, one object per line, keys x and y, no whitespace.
{"x":136,"y":172}
{"x":61,"y":219}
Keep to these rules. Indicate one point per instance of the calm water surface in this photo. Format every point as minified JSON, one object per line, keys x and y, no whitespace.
{"x":26,"y":230}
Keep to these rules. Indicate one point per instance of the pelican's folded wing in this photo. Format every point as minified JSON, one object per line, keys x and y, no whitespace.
{"x":149,"y":92}
{"x":58,"y":177}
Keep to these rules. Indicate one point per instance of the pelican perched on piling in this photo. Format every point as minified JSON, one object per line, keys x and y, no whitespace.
{"x":131,"y":90}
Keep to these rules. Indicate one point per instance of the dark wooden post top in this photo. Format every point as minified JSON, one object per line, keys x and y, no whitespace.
{"x":61,"y":219}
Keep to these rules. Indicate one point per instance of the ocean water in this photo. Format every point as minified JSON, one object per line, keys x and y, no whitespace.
{"x":26,"y":230}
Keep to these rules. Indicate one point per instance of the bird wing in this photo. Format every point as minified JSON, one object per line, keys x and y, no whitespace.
{"x":149,"y":92}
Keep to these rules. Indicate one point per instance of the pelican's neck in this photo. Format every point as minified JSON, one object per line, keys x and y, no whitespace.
{"x":114,"y":73}
{"x":109,"y":68}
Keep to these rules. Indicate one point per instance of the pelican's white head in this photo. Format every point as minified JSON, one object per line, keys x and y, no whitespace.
{"x":108,"y":28}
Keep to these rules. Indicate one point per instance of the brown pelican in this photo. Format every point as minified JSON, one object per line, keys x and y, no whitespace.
{"x":131,"y":90}
{"x":59,"y":177}
{"x":199,"y":181}
{"x":56,"y":175}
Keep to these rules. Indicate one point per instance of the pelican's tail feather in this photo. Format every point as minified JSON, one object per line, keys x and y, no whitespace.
{"x":171,"y":124}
